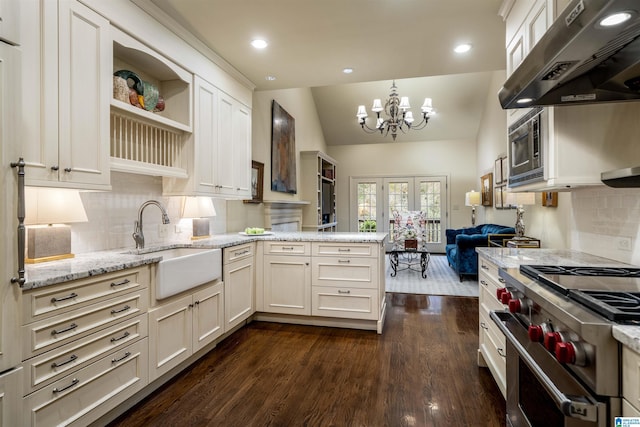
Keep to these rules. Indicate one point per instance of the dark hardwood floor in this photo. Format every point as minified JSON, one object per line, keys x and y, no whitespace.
{"x":421,"y":371}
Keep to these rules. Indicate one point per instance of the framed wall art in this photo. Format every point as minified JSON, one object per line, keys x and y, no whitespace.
{"x":486,"y":185}
{"x":283,"y":151}
{"x":257,"y":180}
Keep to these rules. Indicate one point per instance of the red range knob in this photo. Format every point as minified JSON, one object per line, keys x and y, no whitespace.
{"x":506,"y":297}
{"x":565,"y":352}
{"x":499,"y":293}
{"x":551,"y":339}
{"x":535,"y":333}
{"x":514,"y":306}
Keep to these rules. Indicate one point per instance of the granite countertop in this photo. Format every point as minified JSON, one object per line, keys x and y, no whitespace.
{"x":512,"y":258}
{"x":96,"y":263}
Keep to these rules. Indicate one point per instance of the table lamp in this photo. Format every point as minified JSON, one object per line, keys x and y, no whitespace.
{"x":47,"y":211}
{"x":519,"y":200}
{"x":472,"y":198}
{"x":199,"y":209}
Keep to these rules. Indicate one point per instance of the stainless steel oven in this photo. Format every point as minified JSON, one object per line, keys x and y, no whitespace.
{"x":540,"y":391}
{"x":563,"y":364}
{"x":527,"y":142}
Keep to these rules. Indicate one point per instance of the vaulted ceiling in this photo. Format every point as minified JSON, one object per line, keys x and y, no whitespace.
{"x":312,"y":41}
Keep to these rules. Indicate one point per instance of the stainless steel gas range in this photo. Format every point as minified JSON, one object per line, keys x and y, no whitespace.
{"x":563,"y":364}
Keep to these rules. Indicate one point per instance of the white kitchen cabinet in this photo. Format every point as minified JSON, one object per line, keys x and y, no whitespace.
{"x":221,"y":149}
{"x":85,"y":349}
{"x":182,"y":326}
{"x":67,"y":54}
{"x":491,"y":341}
{"x":239,"y":283}
{"x":11,"y":405}
{"x":9,"y":19}
{"x":631,"y":381}
{"x":287,"y":278}
{"x":345,"y":278}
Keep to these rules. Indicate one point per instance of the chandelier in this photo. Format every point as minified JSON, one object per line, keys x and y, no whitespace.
{"x":398,"y":115}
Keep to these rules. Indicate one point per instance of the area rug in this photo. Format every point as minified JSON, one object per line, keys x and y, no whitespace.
{"x":441,"y":280}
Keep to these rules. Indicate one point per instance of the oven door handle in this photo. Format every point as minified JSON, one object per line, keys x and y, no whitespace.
{"x":582,"y":407}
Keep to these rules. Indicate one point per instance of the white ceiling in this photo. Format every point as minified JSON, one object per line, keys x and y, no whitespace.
{"x":311,"y":41}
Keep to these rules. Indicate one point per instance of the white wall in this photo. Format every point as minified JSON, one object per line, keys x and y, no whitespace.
{"x":454,"y":158}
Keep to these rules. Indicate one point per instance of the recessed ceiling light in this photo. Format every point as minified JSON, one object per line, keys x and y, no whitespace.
{"x":347,"y":70}
{"x":615,"y":19}
{"x":259,"y":43}
{"x":270,"y":78}
{"x":462,"y":48}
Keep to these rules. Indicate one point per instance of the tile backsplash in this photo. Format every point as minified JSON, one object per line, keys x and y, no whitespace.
{"x":112,"y":214}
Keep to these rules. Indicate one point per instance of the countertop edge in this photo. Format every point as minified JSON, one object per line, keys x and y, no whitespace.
{"x":628,"y":335}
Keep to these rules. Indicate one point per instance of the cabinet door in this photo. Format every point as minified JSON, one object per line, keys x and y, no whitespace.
{"x":85,"y":82}
{"x":224,"y":157}
{"x":11,"y":397}
{"x":242,"y":150}
{"x":208,"y":315}
{"x":9,"y":12}
{"x":170,"y":342}
{"x":206,"y":135}
{"x":239,"y":302}
{"x":287,"y":284}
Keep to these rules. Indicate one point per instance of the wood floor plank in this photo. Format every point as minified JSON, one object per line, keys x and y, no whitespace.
{"x":421,"y":371}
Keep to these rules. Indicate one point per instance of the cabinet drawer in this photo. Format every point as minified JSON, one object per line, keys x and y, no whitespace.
{"x":239,"y":252}
{"x":47,"y":334}
{"x":51,"y":366}
{"x":349,"y":303}
{"x":89,"y":393}
{"x":631,"y":376}
{"x":488,"y":299}
{"x":345,"y":271}
{"x":493,"y":350}
{"x":52,"y":300}
{"x":491,"y":270}
{"x":287,"y":248}
{"x":343,"y":249}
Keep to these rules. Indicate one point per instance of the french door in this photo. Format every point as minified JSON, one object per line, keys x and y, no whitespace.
{"x":374,"y":199}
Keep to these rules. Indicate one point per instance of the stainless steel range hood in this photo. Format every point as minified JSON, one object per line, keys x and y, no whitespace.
{"x":580,"y":61}
{"x":622,"y":178}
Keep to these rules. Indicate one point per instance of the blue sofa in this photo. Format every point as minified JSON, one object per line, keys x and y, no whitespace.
{"x":462,"y":243}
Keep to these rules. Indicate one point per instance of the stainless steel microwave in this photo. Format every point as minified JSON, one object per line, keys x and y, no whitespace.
{"x":526,"y":148}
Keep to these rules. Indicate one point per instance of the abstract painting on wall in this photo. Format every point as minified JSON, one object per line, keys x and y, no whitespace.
{"x":283,"y":151}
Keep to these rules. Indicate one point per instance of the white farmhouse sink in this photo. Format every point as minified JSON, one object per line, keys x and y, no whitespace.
{"x":184,"y":268}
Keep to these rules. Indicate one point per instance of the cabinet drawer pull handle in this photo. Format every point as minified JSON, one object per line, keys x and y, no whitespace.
{"x":127,"y":354}
{"x":125,"y":308}
{"x":501,"y":352}
{"x":285,"y":248}
{"x":66,"y":362}
{"x":483,"y":282}
{"x":72,"y":295}
{"x":124,"y":282}
{"x":55,"y":168}
{"x":484,"y":267}
{"x":74,"y":382}
{"x":123,"y":336}
{"x":61,"y":331}
{"x":343,"y":292}
{"x":246,"y":251}
{"x":344,"y":249}
{"x":68,"y":169}
{"x":483,"y":325}
{"x":501,"y":280}
{"x":344,"y":261}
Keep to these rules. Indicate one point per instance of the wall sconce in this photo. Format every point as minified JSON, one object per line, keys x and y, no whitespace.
{"x":519,"y":200}
{"x":472,"y":198}
{"x":47,"y":210}
{"x":199,"y":209}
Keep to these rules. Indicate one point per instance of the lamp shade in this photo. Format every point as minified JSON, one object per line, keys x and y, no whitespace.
{"x":53,"y":206}
{"x":472,"y":198}
{"x":198,"y":207}
{"x":518,"y":199}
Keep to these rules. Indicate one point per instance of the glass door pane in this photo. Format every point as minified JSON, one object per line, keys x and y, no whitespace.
{"x":367,"y":203}
{"x":432,"y":199}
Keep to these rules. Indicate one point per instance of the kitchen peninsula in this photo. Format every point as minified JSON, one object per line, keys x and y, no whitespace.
{"x":97,"y":327}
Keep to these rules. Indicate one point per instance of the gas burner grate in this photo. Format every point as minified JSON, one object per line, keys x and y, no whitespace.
{"x":617,"y":306}
{"x":534,"y":271}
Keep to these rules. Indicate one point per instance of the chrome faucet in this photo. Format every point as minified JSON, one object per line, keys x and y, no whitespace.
{"x":138,"y":236}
